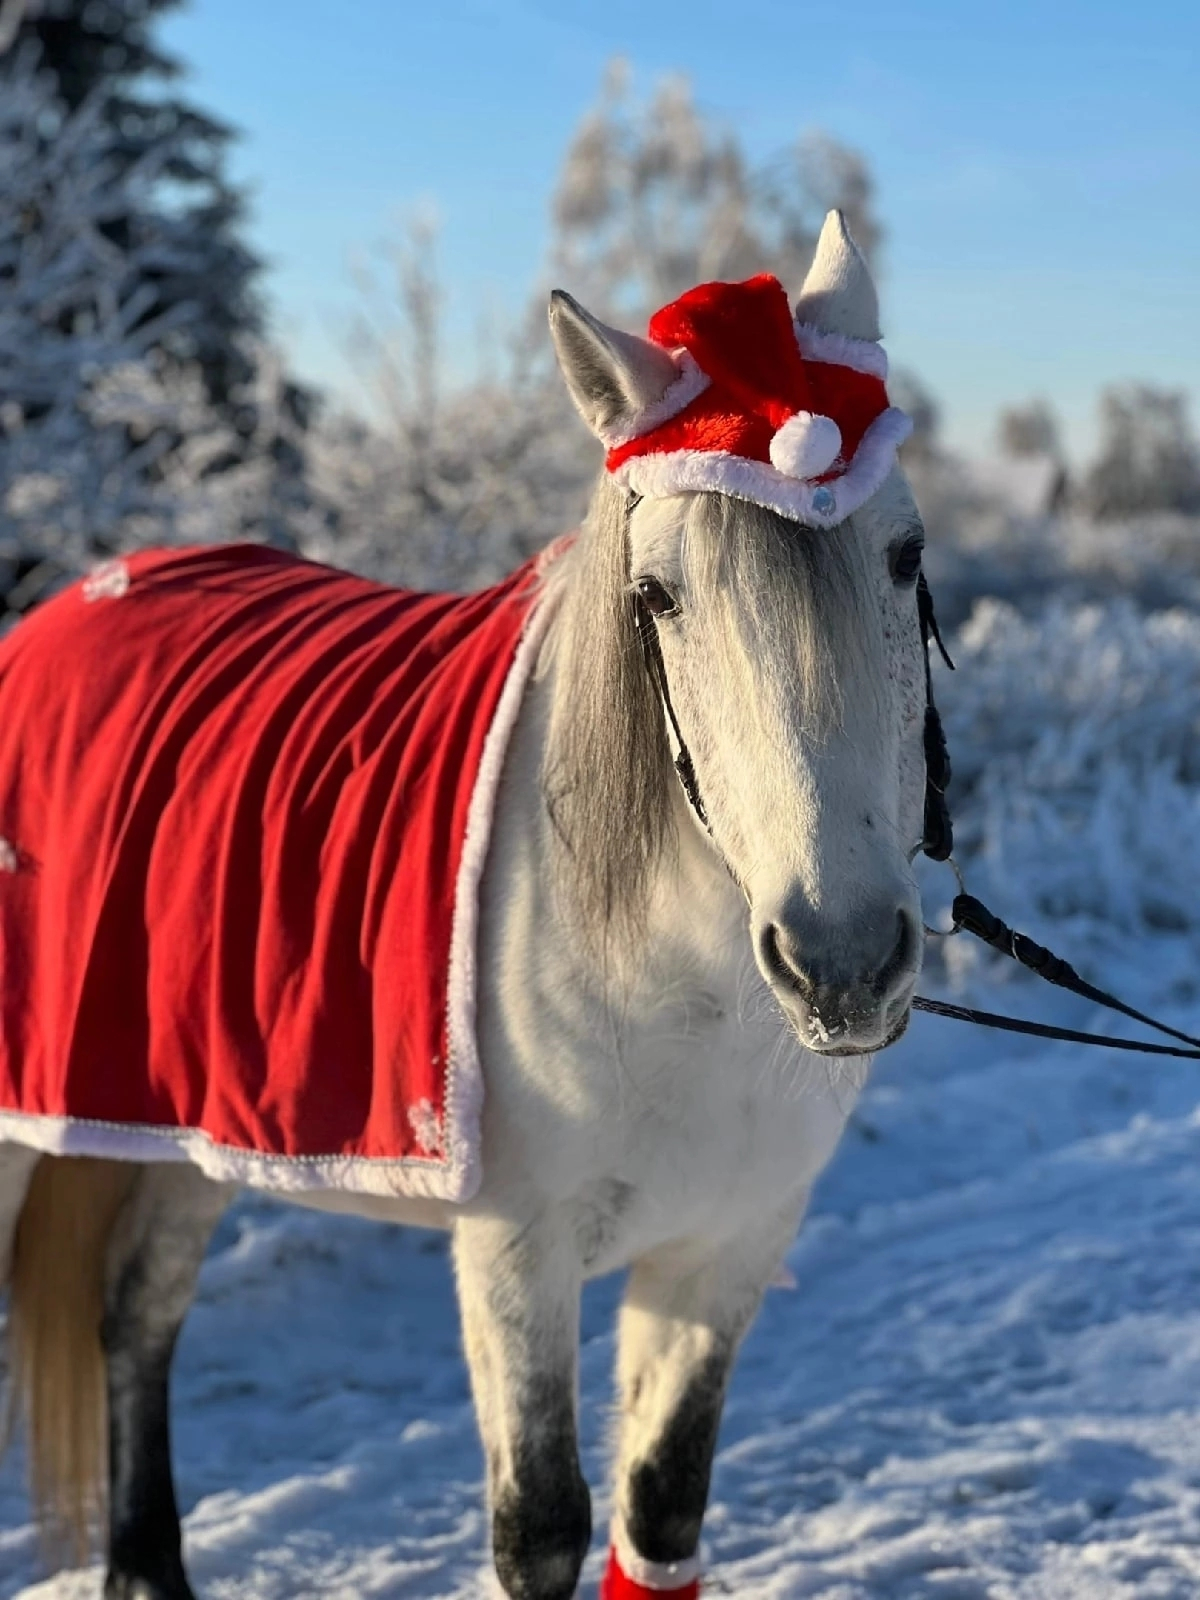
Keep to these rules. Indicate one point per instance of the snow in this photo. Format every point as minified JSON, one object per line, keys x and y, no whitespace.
{"x":985,"y":1383}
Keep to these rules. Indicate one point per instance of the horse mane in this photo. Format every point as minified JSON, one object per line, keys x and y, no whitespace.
{"x":607,"y":774}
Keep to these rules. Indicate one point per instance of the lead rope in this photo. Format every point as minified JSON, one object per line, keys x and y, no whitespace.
{"x":969,"y":915}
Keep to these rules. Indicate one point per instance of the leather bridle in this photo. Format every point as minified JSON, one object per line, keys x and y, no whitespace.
{"x":968,"y":915}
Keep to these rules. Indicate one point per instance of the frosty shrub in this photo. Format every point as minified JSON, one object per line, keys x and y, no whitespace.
{"x":500,"y":475}
{"x":1075,"y":737}
{"x":980,"y":549}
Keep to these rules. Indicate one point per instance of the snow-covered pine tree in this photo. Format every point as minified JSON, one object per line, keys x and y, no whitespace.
{"x":189,"y":253}
{"x":124,"y":415}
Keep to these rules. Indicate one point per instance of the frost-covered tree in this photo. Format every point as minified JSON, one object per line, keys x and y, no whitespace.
{"x":1030,"y":430}
{"x":109,"y":432}
{"x":182,"y":235}
{"x":451,"y":483}
{"x":1149,"y":459}
{"x":922,"y":447}
{"x":70,"y":314}
{"x":448,"y":485}
{"x":654,"y":198}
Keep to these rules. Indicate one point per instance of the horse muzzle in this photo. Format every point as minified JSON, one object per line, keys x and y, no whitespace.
{"x":848,"y":991}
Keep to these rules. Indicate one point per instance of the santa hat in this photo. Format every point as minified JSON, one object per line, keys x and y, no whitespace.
{"x":764,"y":408}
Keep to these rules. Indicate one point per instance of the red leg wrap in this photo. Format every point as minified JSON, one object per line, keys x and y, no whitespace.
{"x":617,"y":1585}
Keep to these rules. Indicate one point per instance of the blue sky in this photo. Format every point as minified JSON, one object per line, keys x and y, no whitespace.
{"x":1038,"y":164}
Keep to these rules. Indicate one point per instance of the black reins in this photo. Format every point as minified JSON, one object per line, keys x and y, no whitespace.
{"x":968,"y":915}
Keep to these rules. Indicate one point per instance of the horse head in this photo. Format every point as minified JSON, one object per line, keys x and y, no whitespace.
{"x":775,"y":587}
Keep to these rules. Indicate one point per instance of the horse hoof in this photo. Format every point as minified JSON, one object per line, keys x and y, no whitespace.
{"x":121,"y":1586}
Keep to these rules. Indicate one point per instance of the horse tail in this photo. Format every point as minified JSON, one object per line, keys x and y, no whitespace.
{"x":56,"y":1361}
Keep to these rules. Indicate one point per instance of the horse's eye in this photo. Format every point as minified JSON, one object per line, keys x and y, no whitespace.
{"x":659,"y":602}
{"x":906,"y":560}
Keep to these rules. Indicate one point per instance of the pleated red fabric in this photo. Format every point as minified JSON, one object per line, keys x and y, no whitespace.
{"x":244,"y":801}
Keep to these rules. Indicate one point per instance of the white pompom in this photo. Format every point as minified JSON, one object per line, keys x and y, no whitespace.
{"x":806,"y":445}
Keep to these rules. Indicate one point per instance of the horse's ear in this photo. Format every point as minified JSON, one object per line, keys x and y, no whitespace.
{"x":838,"y":295}
{"x":611,"y":375}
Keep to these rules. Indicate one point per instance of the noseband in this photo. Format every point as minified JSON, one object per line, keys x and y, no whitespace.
{"x":968,"y":914}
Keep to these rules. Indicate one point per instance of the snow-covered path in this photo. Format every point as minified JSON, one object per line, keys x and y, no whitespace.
{"x":987,"y":1382}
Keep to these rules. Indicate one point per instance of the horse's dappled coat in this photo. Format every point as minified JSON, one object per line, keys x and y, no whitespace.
{"x":244,"y":802}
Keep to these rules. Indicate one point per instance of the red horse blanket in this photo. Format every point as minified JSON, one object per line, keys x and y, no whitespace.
{"x":244,"y":808}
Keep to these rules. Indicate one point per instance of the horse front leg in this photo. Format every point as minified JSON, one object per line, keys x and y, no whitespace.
{"x":685,"y":1311}
{"x":153,"y":1259}
{"x":519,"y":1288}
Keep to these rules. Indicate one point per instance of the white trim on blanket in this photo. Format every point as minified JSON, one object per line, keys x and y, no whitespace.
{"x":453,"y":1174}
{"x":142,"y":1141}
{"x":460,"y":1178}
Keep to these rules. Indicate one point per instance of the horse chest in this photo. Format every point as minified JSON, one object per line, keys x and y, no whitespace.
{"x":693,"y":1126}
{"x":725,"y":1137}
{"x":668,"y":1101}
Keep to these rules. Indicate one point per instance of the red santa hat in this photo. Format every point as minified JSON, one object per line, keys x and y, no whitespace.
{"x":764,"y":408}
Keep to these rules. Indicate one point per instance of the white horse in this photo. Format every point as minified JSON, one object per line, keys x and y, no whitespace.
{"x":658,"y":1006}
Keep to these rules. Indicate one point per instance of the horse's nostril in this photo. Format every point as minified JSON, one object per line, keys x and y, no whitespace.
{"x":831,"y":979}
{"x":781,"y":964}
{"x":903,"y":954}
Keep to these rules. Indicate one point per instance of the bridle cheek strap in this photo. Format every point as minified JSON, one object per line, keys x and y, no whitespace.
{"x":685,"y":770}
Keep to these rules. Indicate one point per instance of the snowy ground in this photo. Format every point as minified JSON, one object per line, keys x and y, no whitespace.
{"x":987,"y":1382}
